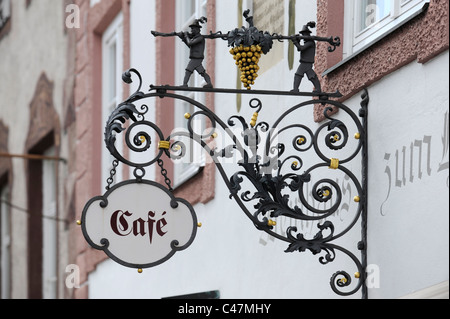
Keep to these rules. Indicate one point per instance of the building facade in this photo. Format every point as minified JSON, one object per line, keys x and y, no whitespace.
{"x":396,"y":49}
{"x":387,"y":43}
{"x":36,"y":166}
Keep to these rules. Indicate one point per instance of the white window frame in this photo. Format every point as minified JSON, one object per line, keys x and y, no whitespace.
{"x":400,"y":12}
{"x":112,"y":67}
{"x":191,"y":164}
{"x":5,"y":243}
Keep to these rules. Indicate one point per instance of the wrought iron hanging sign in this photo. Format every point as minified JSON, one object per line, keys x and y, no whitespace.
{"x":140,"y":224}
{"x":139,"y":216}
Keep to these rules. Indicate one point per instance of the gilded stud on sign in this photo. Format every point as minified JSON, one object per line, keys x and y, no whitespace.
{"x":271,"y":223}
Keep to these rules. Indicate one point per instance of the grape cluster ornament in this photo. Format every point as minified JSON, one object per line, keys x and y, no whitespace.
{"x":248,"y":46}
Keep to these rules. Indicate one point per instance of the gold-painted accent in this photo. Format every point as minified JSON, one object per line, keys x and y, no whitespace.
{"x":357,"y":136}
{"x":326,"y":193}
{"x":187,"y":116}
{"x":356,"y":199}
{"x":164,"y":145}
{"x":336,"y":138}
{"x":199,"y":225}
{"x":214,"y":135}
{"x":343,"y":280}
{"x":140,"y":270}
{"x":79,"y":222}
{"x":300,"y":141}
{"x":142,"y":138}
{"x":254,"y":119}
{"x":176,"y":147}
{"x":334,"y":163}
{"x":271,"y":223}
{"x":295,"y":163}
{"x":357,"y":275}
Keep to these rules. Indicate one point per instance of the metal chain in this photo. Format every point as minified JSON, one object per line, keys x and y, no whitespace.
{"x":112,"y":173}
{"x":164,"y":174}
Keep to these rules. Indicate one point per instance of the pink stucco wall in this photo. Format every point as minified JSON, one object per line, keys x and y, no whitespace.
{"x":87,"y":100}
{"x":418,"y":40}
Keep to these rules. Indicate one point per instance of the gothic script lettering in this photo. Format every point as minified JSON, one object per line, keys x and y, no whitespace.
{"x":122,"y":226}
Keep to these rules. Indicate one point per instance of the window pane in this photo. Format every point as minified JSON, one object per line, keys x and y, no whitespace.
{"x":112,"y":63}
{"x":49,"y":228}
{"x":5,"y":244}
{"x":189,"y":164}
{"x":372,"y":11}
{"x":112,"y":60}
{"x":188,"y":10}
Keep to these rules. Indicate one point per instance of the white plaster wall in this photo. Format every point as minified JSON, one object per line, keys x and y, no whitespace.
{"x":409,"y":226}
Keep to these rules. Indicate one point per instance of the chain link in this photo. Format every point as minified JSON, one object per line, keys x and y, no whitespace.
{"x":164,"y":174}
{"x":112,"y":173}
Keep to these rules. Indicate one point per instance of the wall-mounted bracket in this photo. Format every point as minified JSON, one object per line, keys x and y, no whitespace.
{"x":269,"y":177}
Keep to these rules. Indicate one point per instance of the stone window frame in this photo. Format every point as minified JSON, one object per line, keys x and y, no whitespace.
{"x":88,"y":81}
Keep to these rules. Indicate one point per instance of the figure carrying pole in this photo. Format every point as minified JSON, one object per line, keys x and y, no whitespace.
{"x":196,"y":42}
{"x":243,"y":39}
{"x":307,"y":58}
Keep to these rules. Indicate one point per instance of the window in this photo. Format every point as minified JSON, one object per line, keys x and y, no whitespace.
{"x":370,"y":12}
{"x":42,"y":223}
{"x":49,"y":228}
{"x":371,"y":20}
{"x":194,"y":160}
{"x":5,"y":244}
{"x":112,"y":65}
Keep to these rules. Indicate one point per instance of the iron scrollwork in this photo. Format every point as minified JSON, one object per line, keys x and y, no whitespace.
{"x":274,"y":180}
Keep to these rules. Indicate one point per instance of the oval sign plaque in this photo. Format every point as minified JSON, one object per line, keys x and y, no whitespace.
{"x":139,"y":224}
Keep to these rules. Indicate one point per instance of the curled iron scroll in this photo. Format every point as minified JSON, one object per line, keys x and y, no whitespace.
{"x":265,"y":182}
